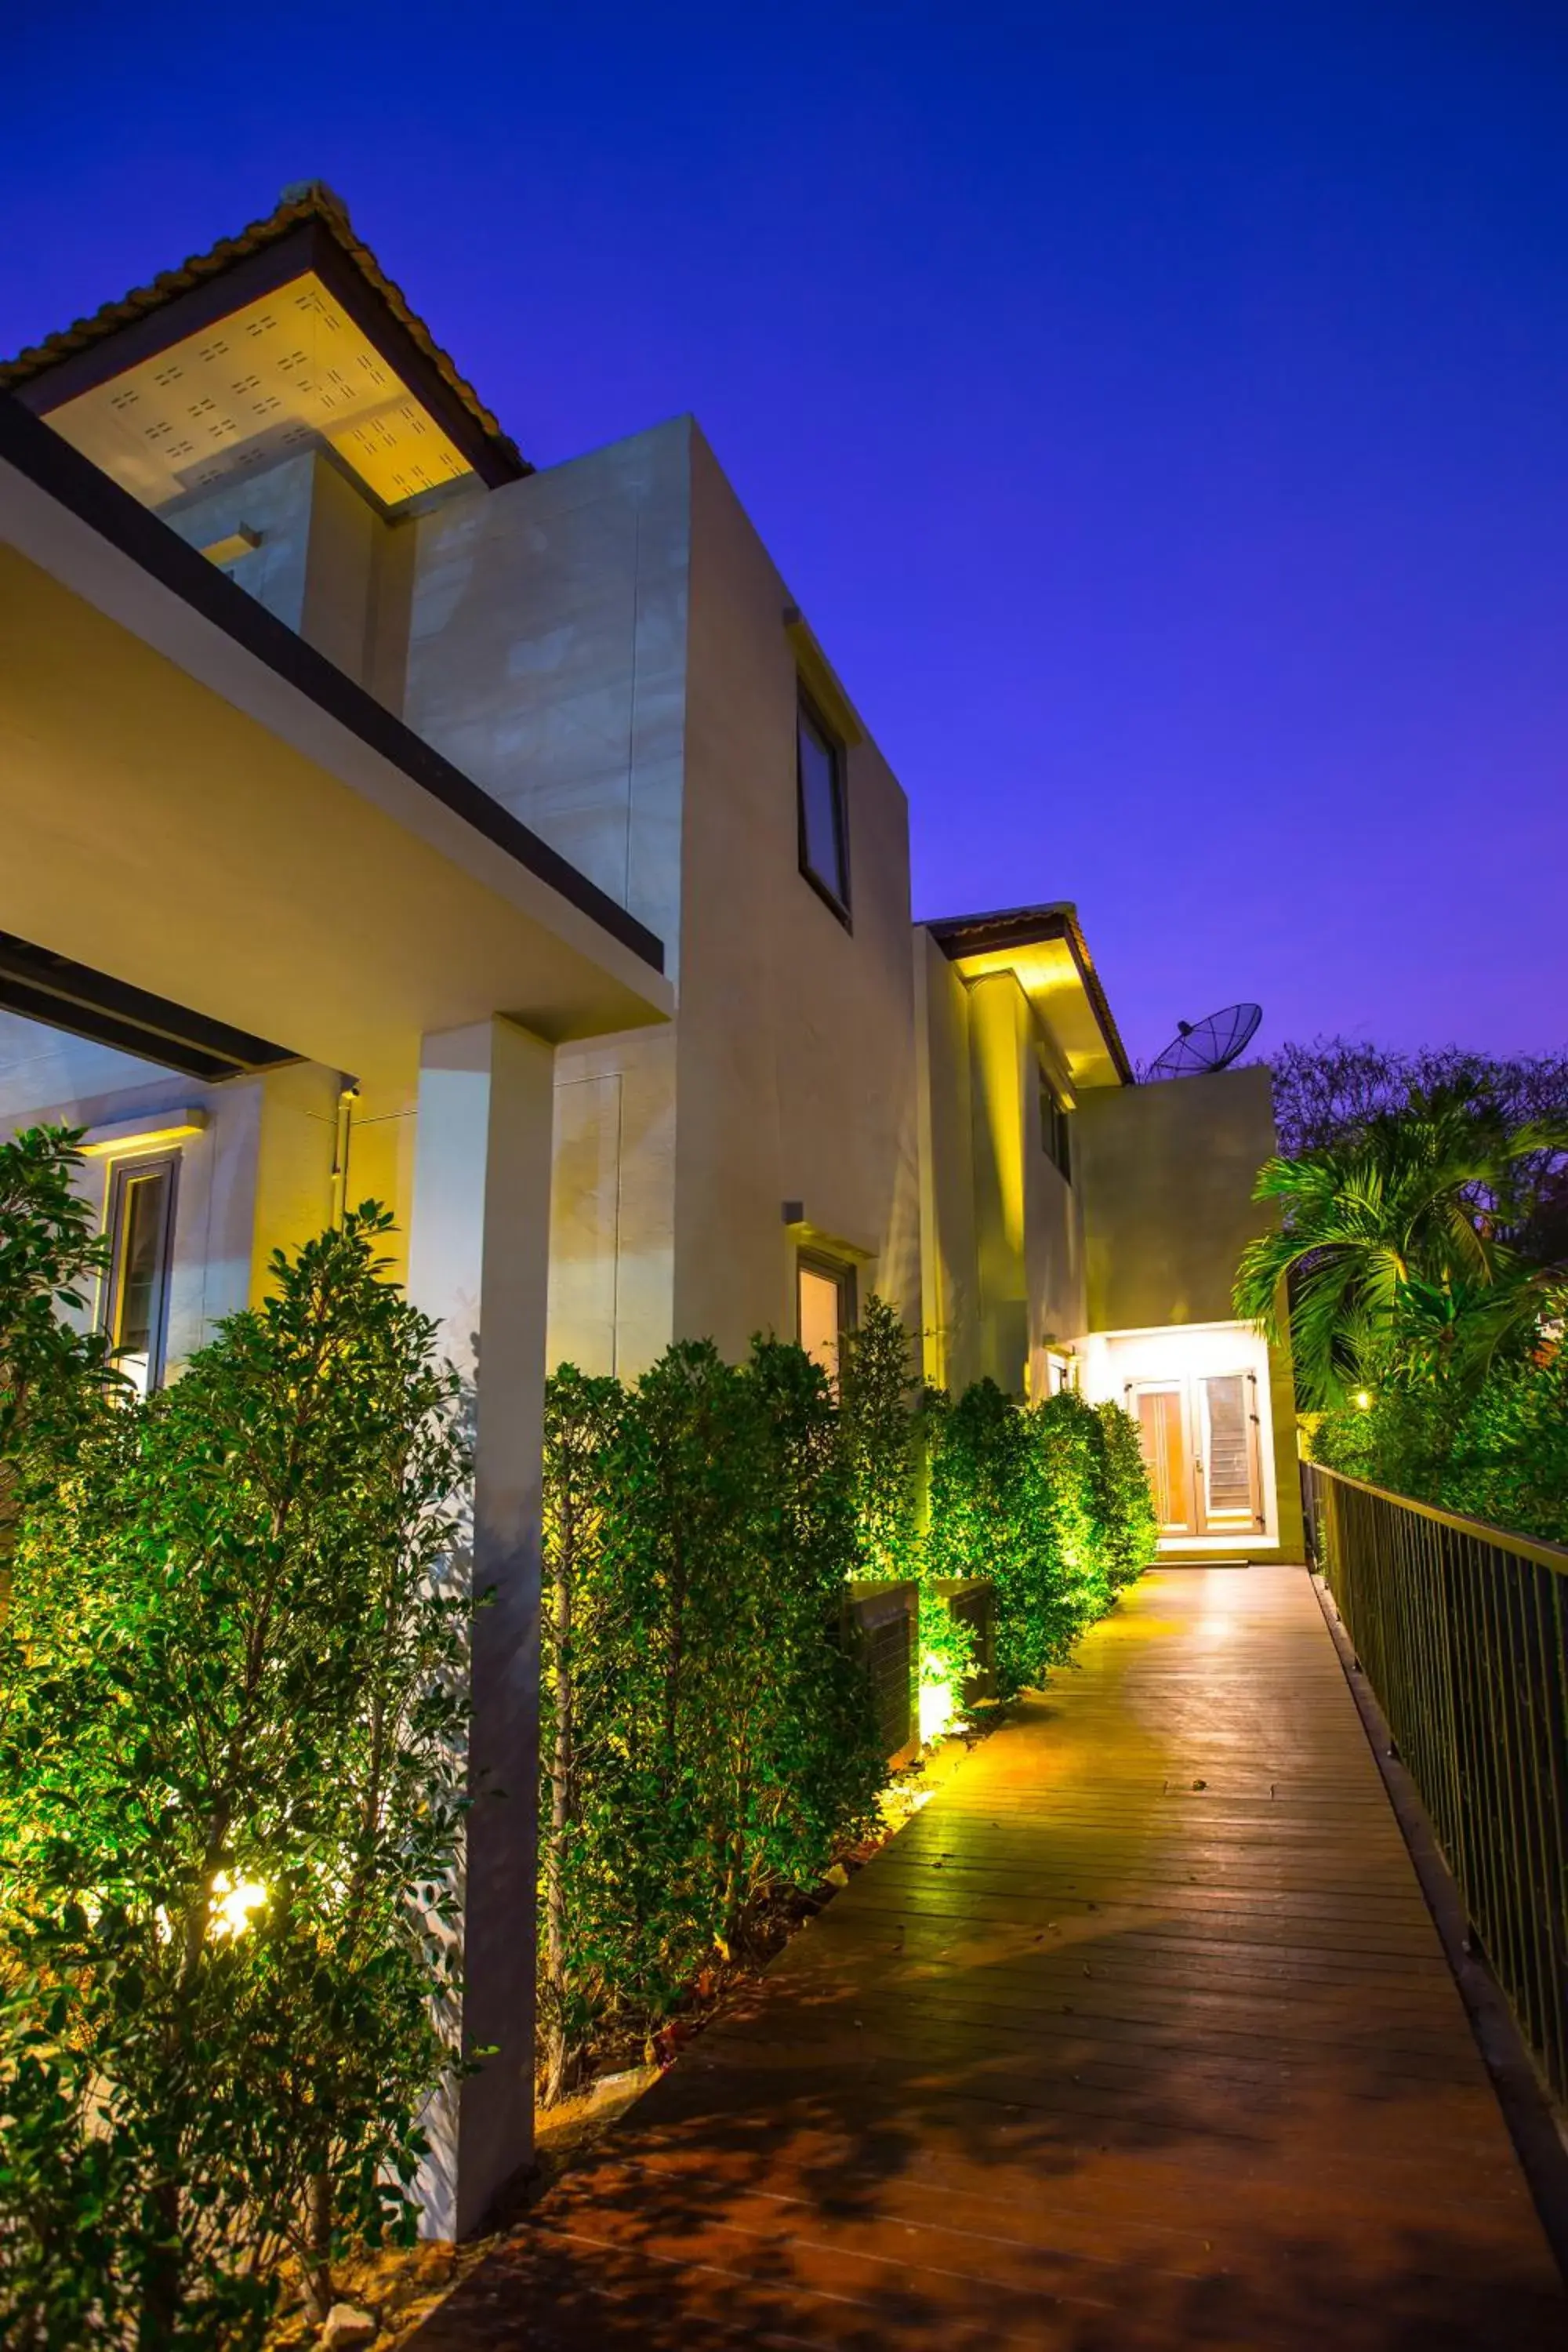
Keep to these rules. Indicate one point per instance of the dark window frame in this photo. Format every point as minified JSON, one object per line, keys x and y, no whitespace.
{"x":809,"y":714}
{"x":122,"y":1175}
{"x":842,"y":1277}
{"x":1056,"y":1127}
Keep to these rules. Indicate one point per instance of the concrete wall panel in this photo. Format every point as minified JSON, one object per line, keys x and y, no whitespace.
{"x":794,"y":1047}
{"x":547,"y":653}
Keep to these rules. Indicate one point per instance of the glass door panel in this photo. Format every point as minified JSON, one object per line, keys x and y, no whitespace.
{"x":1228,"y":1482}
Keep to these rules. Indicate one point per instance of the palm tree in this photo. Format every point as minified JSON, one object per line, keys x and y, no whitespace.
{"x":1397,"y":1245}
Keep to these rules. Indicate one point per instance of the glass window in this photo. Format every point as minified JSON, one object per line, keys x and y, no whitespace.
{"x":825,"y":1308}
{"x":141,"y":1236}
{"x":1055,"y":1129}
{"x":824,"y":834}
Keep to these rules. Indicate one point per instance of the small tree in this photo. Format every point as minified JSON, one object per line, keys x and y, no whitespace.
{"x":1067,"y":1532}
{"x":1392,"y":1244}
{"x":981,"y":1523}
{"x":53,"y":1375}
{"x":1127,"y":1506}
{"x":878,"y":1391}
{"x":707,"y":1738}
{"x":229,"y":1817}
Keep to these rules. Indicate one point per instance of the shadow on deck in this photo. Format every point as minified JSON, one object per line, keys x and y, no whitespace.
{"x":1138,"y":2035}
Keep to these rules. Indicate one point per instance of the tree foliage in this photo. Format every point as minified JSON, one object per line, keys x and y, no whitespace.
{"x":1131,"y":1524}
{"x":1050,"y":1501}
{"x":707,"y":1736}
{"x":1395,"y":1245}
{"x":1334,"y":1087}
{"x":1424,"y":1239}
{"x":1499,"y":1451}
{"x":230,"y":1755}
{"x":53,"y":1374}
{"x":880,"y":1399}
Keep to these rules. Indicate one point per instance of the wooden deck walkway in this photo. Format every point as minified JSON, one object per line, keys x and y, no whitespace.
{"x":1139,"y":2036}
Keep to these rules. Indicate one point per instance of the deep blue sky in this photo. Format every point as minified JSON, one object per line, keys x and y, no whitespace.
{"x":1161,"y":411}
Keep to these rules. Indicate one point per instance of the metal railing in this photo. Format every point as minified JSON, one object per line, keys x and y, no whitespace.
{"x":1462,"y":1632}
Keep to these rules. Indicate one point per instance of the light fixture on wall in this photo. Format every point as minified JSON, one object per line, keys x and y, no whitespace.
{"x":152,"y":1131}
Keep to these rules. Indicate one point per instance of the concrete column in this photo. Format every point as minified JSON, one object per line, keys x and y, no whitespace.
{"x":478,"y":1262}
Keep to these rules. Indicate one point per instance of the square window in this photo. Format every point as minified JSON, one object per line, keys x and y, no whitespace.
{"x":824,"y":820}
{"x":825,"y":1309}
{"x":140,"y":1225}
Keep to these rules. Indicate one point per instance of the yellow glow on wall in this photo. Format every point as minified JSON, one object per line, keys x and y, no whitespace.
{"x":999,"y":1054}
{"x":1045,"y":972}
{"x":133,"y":1135}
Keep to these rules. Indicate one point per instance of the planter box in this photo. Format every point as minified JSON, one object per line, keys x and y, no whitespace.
{"x":881,"y":1625}
{"x":971,"y":1601}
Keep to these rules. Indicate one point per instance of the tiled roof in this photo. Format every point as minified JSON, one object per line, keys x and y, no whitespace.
{"x":310,"y":201}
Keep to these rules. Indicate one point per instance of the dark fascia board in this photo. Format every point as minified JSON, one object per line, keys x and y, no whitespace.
{"x":30,"y":445}
{"x":309,"y":245}
{"x":1023,"y":926}
{"x":50,"y":988}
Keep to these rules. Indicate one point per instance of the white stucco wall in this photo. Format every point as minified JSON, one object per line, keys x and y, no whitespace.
{"x":604,"y":648}
{"x":1003,"y":1228}
{"x":546,"y":658}
{"x":49,"y":1078}
{"x":1110,"y":1362}
{"x":795,"y":1036}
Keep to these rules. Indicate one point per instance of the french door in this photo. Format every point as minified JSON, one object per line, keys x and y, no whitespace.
{"x":1199,"y":1440}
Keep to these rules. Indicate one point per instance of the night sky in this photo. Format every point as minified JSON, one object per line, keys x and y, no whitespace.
{"x":1161,"y":412}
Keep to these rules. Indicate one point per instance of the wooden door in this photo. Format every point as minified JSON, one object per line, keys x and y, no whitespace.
{"x":1160,"y":1411}
{"x":1200,"y":1441}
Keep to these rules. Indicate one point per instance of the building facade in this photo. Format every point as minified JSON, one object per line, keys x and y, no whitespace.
{"x":1078,"y":1229}
{"x":383,"y":817}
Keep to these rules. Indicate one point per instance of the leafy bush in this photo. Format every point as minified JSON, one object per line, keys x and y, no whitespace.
{"x":707,"y":1738}
{"x":230,"y":1758}
{"x":1052,"y":1503}
{"x":878,"y":1408}
{"x":1424,"y":1241}
{"x":1498,"y":1453}
{"x":53,"y":1377}
{"x":1132,"y":1526}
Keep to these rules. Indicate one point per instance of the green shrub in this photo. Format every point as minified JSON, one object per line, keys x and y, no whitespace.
{"x":53,"y":1377}
{"x":986,"y":1493}
{"x":1508,"y":1460}
{"x":879,"y":1394}
{"x":1052,"y":1503}
{"x":231,"y":1759}
{"x":1498,"y":1450}
{"x":1127,"y":1506}
{"x":699,"y":1529}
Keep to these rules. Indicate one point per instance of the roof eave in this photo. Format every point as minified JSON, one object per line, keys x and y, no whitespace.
{"x":307,"y":231}
{"x":1021,"y":927}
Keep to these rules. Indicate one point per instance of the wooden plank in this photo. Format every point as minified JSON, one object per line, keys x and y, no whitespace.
{"x":1088,"y":2058}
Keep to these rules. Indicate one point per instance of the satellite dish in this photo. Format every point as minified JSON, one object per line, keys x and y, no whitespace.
{"x":1208,"y":1045}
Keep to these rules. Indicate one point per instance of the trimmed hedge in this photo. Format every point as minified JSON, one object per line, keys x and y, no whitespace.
{"x":706,"y":1738}
{"x":707,"y":1742}
{"x":1051,"y":1501}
